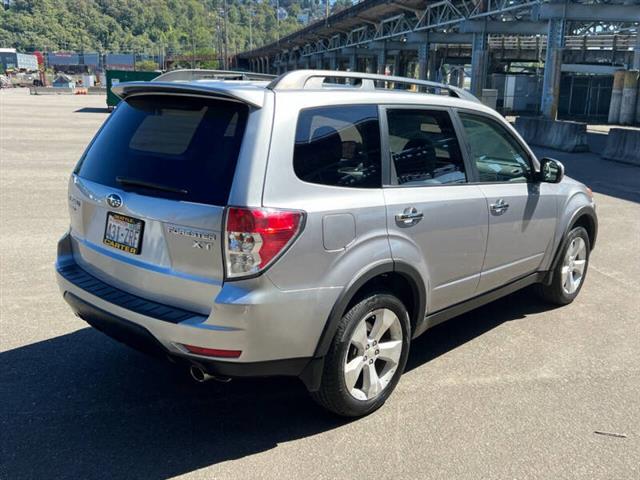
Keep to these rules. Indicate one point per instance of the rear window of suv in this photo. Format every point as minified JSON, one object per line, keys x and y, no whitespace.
{"x":181,"y":148}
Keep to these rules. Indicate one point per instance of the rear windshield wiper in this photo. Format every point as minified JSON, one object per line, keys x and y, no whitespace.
{"x":154,"y":186}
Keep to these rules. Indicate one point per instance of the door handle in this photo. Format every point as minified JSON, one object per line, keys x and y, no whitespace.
{"x":409,"y":216}
{"x":499,"y":207}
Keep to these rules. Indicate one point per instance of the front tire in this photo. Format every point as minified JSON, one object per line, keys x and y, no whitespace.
{"x":367,"y":356}
{"x":571,"y":271}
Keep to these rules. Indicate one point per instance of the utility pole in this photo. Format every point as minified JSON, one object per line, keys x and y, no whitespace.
{"x":250,"y":28}
{"x":226,"y":37}
{"x":219,"y":43}
{"x":193,"y":47}
{"x":278,"y":19}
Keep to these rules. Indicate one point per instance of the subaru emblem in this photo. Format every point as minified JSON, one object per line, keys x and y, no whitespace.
{"x":114,"y":200}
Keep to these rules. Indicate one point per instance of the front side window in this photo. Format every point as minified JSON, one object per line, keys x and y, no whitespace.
{"x":496,"y":153}
{"x":424,"y":148}
{"x":339,"y":146}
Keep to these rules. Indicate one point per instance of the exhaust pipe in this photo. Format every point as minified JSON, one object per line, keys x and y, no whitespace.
{"x":200,"y":376}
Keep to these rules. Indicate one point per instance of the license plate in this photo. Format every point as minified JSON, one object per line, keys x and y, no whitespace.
{"x":124,"y":233}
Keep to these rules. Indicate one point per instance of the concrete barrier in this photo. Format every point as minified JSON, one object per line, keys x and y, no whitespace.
{"x":50,"y":91}
{"x":623,"y":145}
{"x":97,"y":90}
{"x":560,"y":135}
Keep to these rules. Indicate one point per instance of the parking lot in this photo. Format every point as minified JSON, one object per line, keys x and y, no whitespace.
{"x":513,"y":390}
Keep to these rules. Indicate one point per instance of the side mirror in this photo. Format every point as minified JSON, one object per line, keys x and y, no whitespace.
{"x":551,"y":171}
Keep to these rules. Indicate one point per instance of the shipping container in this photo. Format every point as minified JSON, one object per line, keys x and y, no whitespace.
{"x":60,"y":59}
{"x":119,"y":61}
{"x":27,"y":62}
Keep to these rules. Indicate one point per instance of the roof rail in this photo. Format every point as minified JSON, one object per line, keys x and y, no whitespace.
{"x":200,"y":74}
{"x":300,"y":79}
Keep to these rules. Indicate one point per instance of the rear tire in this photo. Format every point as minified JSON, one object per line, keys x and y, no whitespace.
{"x":367,"y":356}
{"x":571,"y":270}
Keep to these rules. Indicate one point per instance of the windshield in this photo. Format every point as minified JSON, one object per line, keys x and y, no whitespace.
{"x":176,"y":147}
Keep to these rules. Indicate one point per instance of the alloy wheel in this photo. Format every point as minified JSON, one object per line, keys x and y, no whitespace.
{"x":573,"y":267}
{"x":373,"y":355}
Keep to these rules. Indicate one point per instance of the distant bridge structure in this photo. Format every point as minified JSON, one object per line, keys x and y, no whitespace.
{"x":417,"y":37}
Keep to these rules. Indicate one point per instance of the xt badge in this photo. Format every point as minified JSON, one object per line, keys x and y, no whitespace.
{"x":201,"y":245}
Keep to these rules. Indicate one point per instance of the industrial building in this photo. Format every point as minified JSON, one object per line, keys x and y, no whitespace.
{"x":557,"y":58}
{"x":11,"y":60}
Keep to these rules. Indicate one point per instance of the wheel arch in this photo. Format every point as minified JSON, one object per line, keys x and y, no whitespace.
{"x":585,"y":217}
{"x":398,"y":277}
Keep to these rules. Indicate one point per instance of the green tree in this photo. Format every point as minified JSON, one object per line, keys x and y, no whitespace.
{"x":146,"y":65}
{"x":178,"y":26}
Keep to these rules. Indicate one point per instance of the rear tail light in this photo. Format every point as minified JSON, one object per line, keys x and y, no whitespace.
{"x":255,"y":237}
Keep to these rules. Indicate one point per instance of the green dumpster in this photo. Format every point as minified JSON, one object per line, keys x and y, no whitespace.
{"x":115,"y":77}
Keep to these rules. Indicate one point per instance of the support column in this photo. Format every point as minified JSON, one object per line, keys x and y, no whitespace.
{"x":432,"y":66}
{"x":636,"y":53}
{"x":453,"y":76}
{"x":423,"y":60}
{"x":629,"y":97}
{"x":319,"y":65}
{"x":333,"y":61}
{"x":353,"y":62}
{"x":479,"y":54}
{"x":381,"y":60}
{"x":552,"y":64}
{"x":397,"y":64}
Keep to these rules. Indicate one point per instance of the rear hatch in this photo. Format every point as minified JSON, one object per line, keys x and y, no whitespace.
{"x":147,"y":198}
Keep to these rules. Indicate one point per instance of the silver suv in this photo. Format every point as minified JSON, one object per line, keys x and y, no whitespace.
{"x":310,"y":226}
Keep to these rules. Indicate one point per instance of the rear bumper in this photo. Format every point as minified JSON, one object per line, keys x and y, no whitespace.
{"x":139,"y":338}
{"x":252,"y":320}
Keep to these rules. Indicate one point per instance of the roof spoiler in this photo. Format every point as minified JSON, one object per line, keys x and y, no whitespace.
{"x":250,"y":96}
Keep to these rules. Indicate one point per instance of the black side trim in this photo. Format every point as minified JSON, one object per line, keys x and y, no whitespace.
{"x":90,"y":284}
{"x":340,"y":306}
{"x":139,"y":338}
{"x":288,"y":367}
{"x":419,"y":293}
{"x":473,"y":303}
{"x":347,"y":294}
{"x":582,"y":211}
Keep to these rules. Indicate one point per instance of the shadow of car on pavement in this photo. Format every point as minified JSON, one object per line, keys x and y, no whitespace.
{"x":83,"y":406}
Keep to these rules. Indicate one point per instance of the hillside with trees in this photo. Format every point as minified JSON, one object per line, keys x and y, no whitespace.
{"x":151,"y":26}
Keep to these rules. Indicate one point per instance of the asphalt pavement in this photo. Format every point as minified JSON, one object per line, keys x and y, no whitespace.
{"x":513,"y":390}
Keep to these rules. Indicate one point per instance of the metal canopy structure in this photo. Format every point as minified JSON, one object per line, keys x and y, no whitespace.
{"x":526,"y":29}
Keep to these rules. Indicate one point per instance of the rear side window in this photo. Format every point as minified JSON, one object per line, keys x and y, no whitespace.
{"x":424,"y":148}
{"x":181,"y":148}
{"x":339,"y":146}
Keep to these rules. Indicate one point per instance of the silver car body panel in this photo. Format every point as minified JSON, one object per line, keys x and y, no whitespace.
{"x":519,"y":237}
{"x":458,"y":248}
{"x":447,"y":245}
